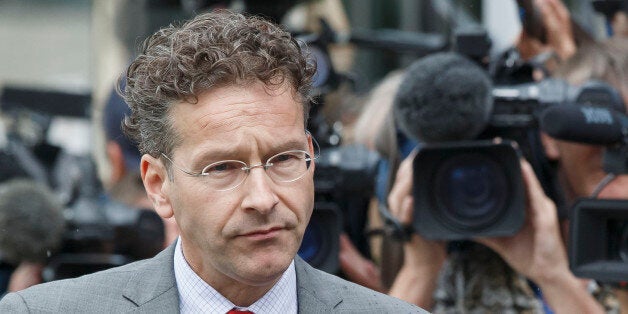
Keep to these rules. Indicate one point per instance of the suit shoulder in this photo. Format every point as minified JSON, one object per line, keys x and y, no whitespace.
{"x":102,"y":287}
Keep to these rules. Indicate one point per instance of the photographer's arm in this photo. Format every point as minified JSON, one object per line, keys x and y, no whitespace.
{"x":423,"y":259}
{"x":559,"y":32}
{"x":356,"y":267}
{"x":537,"y":251}
{"x":27,"y":274}
{"x":622,"y":297}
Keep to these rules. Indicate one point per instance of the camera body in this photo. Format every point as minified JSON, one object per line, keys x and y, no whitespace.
{"x":100,"y":233}
{"x":599,"y":240}
{"x":468,"y":189}
{"x":474,"y":188}
{"x":104,"y":234}
{"x":343,"y":185}
{"x":320,"y":245}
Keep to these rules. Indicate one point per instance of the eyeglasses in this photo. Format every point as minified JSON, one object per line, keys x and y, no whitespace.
{"x":226,"y":175}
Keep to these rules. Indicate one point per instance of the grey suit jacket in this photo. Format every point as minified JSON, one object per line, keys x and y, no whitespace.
{"x":149,"y":286}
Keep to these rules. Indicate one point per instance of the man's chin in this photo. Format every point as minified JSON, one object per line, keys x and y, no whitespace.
{"x":266,"y":269}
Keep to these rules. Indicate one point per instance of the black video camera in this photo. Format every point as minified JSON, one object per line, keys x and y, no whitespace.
{"x":343,"y":184}
{"x":104,"y":234}
{"x":598,"y":227}
{"x":598,"y":246}
{"x":473,"y":188}
{"x":599,"y":240}
{"x":100,"y":233}
{"x":344,"y":176}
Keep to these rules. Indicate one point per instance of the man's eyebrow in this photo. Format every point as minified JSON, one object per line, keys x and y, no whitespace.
{"x":216,"y":155}
{"x":232,"y":153}
{"x":290,"y":145}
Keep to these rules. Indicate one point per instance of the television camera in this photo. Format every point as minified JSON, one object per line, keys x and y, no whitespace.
{"x":99,"y":232}
{"x":472,"y":187}
{"x":598,"y":246}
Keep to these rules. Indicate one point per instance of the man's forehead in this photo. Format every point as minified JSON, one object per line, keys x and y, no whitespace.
{"x":253,"y":93}
{"x":233,"y":112}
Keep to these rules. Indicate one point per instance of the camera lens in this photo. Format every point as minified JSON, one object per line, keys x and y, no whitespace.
{"x":471,"y":191}
{"x":320,"y":244}
{"x":312,"y":244}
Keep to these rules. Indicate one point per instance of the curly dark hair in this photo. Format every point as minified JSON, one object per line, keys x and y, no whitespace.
{"x":178,"y":63}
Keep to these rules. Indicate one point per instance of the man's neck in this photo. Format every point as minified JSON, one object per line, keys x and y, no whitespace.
{"x":239,"y":292}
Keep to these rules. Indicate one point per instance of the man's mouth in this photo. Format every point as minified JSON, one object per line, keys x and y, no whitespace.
{"x":263,"y":234}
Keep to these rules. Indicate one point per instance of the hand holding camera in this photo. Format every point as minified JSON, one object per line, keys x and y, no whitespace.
{"x":537,"y":251}
{"x":546,"y":25}
{"x":423,"y":258}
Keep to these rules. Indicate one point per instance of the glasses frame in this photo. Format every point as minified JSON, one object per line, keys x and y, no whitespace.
{"x":247,"y":169}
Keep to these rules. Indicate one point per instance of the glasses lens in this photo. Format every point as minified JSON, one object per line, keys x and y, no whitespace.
{"x":224,"y":175}
{"x":289,"y":166}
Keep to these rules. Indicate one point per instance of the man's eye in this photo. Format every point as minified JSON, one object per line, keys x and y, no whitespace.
{"x":222,"y":167}
{"x":284,"y":157}
{"x":288,"y":157}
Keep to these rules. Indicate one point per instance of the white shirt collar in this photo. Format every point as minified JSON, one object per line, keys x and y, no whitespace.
{"x":196,"y":296}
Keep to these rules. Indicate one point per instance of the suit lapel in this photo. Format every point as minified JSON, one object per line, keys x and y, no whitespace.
{"x":313,"y":295}
{"x":152,"y":287}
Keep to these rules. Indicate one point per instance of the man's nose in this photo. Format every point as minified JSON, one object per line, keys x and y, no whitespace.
{"x":260,"y":195}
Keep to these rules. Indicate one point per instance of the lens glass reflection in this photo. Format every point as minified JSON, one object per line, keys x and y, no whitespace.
{"x":471,"y":190}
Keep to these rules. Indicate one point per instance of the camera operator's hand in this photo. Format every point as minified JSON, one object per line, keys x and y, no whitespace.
{"x":423,"y":259}
{"x":537,"y":251}
{"x":558,"y":30}
{"x":551,"y":31}
{"x":25,"y":275}
{"x":356,"y":267}
{"x":622,"y":297}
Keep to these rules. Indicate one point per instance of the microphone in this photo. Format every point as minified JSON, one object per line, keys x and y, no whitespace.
{"x":31,"y":221}
{"x":443,"y":97}
{"x":584,"y":124}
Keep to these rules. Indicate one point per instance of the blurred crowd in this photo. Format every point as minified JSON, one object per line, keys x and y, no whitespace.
{"x":527,"y":271}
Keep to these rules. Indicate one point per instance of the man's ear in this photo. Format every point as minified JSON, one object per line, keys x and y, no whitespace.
{"x":116,"y":161}
{"x":156,"y":183}
{"x":550,"y":146}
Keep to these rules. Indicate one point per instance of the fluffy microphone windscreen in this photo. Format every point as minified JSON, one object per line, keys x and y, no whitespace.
{"x":31,"y":221}
{"x":443,"y":97}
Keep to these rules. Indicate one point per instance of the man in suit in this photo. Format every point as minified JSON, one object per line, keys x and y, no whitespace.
{"x":219,"y":106}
